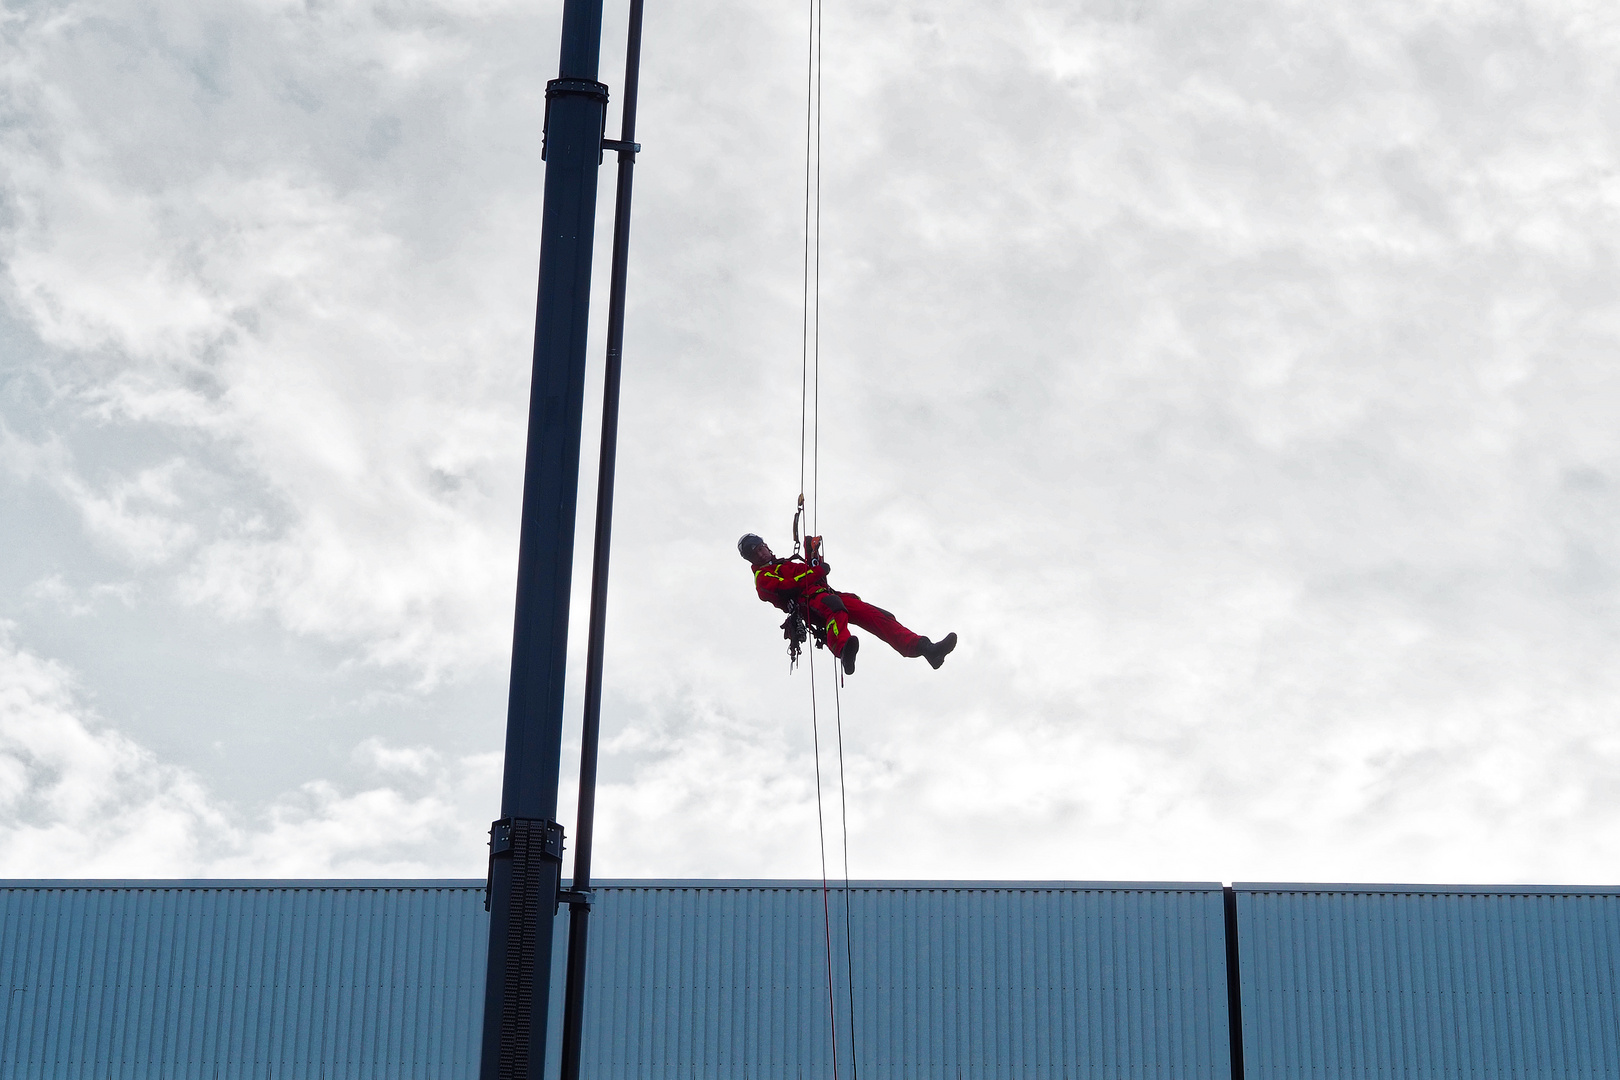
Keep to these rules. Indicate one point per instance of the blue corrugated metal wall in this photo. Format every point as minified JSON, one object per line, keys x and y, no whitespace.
{"x":266,"y":980}
{"x":688,"y":980}
{"x":256,"y":980}
{"x":1413,"y":983}
{"x":969,"y":980}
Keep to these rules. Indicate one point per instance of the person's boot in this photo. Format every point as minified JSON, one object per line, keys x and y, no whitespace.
{"x":937,"y":651}
{"x":848,"y":657}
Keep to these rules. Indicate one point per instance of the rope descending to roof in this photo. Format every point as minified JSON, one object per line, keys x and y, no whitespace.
{"x":810,"y":469}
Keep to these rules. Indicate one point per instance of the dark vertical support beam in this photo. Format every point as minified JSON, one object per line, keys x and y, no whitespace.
{"x":526,"y":843}
{"x":1234,"y":982}
{"x":579,"y":908}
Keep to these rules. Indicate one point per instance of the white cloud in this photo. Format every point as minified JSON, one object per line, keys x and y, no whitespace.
{"x":55,"y":590}
{"x":321,"y":831}
{"x":80,"y":799}
{"x":250,"y":300}
{"x":82,"y":802}
{"x":412,"y":760}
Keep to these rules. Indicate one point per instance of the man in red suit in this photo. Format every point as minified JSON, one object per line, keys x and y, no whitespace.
{"x":790,"y":582}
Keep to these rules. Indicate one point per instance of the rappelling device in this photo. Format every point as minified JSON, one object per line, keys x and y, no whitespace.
{"x":796,"y":629}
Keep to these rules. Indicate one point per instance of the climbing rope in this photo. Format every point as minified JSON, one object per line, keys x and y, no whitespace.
{"x":843,"y":818}
{"x":810,"y":468}
{"x":826,"y":903}
{"x":810,"y":452}
{"x":826,"y":912}
{"x":810,"y":317}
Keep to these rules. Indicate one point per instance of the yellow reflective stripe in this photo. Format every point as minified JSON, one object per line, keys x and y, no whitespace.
{"x":770,"y":571}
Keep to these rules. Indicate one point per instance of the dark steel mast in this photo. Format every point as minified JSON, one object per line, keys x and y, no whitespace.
{"x":526,"y":842}
{"x":579,"y":908}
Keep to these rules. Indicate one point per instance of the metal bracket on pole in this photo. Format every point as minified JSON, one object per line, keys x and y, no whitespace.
{"x":588,"y":88}
{"x":544,"y":838}
{"x":576,"y":899}
{"x":631,"y":148}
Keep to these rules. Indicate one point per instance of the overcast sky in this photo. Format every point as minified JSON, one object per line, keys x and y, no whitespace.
{"x":1238,"y":380}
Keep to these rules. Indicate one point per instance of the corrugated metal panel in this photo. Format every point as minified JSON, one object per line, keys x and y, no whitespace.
{"x":259,"y":979}
{"x":264,"y":979}
{"x":970,"y":980}
{"x":1386,"y":981}
{"x":691,"y":980}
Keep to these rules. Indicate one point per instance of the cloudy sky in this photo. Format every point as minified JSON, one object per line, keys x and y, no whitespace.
{"x":1238,"y":380}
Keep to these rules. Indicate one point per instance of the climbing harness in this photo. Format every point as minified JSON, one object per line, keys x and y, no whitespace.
{"x":800,"y":625}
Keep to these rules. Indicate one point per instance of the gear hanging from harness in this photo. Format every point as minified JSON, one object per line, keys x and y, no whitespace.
{"x":797,"y":631}
{"x":796,"y":628}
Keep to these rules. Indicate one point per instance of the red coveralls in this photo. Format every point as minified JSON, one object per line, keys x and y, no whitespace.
{"x":787,"y":580}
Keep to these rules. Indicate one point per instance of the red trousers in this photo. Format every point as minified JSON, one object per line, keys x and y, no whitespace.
{"x":858,"y":612}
